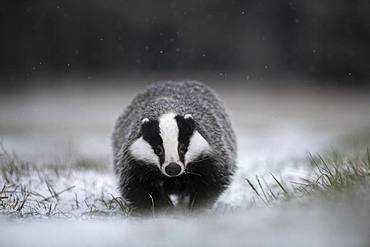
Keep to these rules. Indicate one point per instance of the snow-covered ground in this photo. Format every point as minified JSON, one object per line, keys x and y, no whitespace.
{"x":286,"y":226}
{"x":276,"y":129}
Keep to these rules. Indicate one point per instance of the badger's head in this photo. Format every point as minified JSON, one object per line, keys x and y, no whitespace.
{"x":170,"y":143}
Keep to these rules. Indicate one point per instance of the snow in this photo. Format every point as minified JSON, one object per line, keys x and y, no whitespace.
{"x":286,"y":226}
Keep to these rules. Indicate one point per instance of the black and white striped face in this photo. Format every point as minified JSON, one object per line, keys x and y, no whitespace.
{"x":171,"y":142}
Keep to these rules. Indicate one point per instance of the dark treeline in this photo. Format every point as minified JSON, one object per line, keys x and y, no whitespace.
{"x":322,"y":39}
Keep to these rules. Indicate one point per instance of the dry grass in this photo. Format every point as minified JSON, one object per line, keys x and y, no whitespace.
{"x":28,"y":190}
{"x":333,"y":174}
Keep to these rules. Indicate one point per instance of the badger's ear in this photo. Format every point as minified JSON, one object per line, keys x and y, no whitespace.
{"x":145,"y":125}
{"x":186,"y":123}
{"x":149,"y":126}
{"x":189,"y":121}
{"x":145,"y":120}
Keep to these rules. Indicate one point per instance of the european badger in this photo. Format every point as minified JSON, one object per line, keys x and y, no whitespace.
{"x":175,"y":138}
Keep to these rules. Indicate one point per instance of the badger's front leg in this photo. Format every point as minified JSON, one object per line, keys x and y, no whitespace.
{"x":140,"y":188}
{"x":209,"y":183}
{"x":204,"y":196}
{"x":145,"y":199}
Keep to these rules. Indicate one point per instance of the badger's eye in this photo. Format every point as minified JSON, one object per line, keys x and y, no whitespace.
{"x":182,"y":149}
{"x":159,"y":150}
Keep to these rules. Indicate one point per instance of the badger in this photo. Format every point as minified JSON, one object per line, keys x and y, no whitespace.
{"x":175,"y":139}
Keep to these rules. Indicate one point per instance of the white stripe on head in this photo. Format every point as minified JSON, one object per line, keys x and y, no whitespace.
{"x":169,"y":132}
{"x":141,"y":150}
{"x":197,"y":146}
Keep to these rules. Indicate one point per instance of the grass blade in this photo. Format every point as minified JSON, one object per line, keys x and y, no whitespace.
{"x":280,"y":185}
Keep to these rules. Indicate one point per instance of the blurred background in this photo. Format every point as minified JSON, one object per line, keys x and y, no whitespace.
{"x":294,"y":74}
{"x":254,"y":41}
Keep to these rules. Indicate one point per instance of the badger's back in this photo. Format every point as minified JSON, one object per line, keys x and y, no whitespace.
{"x":184,"y":97}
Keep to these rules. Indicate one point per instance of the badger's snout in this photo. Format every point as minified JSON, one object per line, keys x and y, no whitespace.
{"x":173,"y":169}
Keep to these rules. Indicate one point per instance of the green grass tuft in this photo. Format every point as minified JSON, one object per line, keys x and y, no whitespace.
{"x":333,"y":174}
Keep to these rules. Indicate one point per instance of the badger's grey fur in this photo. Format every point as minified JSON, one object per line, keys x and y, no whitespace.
{"x":143,"y":181}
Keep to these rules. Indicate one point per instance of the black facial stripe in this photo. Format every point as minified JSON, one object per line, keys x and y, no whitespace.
{"x":186,"y":130}
{"x":150,"y":132}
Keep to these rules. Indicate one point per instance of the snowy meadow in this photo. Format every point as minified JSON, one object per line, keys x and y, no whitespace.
{"x":303,"y":172}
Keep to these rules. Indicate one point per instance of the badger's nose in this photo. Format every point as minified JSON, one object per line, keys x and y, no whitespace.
{"x":172,"y":169}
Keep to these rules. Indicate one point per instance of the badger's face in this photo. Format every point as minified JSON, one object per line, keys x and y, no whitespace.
{"x":171,"y":142}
